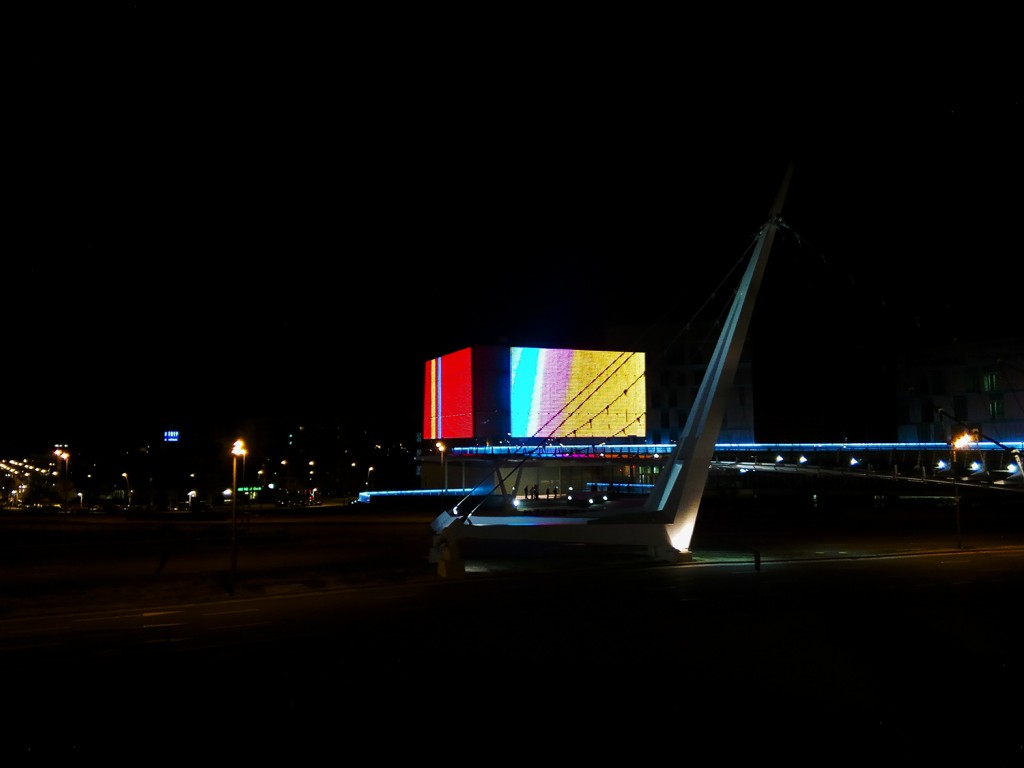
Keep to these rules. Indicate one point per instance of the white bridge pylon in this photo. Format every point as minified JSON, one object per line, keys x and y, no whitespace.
{"x":664,"y":524}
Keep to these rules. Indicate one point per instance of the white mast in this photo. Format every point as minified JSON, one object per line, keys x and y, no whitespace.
{"x":681,"y":483}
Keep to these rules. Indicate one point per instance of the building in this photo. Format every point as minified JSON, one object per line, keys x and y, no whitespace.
{"x":525,"y":398}
{"x":963,"y":386}
{"x":943,"y":392}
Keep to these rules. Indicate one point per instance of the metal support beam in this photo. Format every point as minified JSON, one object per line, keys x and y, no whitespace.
{"x":681,"y":483}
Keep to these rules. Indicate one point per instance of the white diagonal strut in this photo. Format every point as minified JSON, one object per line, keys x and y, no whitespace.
{"x":680,"y":485}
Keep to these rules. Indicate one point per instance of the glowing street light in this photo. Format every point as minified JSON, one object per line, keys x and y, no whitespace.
{"x":237,"y":449}
{"x":961,"y":442}
{"x":368,"y":471}
{"x":444,"y":474}
{"x":67,"y":464}
{"x":67,"y":460}
{"x":128,"y":489}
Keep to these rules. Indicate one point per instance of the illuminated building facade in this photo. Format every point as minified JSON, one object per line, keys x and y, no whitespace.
{"x":497,"y":394}
{"x":977,"y":385}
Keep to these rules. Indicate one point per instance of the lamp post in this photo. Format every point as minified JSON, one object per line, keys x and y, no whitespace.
{"x":238,"y":449}
{"x":127,"y":490}
{"x":67,"y":465}
{"x":444,"y":474}
{"x":67,"y":460}
{"x":959,"y":442}
{"x":368,"y":471}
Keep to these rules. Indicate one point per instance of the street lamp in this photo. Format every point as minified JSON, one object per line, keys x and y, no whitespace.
{"x":368,"y":471}
{"x":444,"y":475}
{"x":67,"y":460}
{"x":128,"y":490}
{"x":67,"y":465}
{"x":960,"y":442}
{"x":238,"y":449}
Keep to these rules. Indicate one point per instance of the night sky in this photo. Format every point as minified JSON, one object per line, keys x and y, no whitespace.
{"x":210,"y":229}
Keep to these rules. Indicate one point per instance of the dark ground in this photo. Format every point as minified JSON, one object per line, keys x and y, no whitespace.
{"x":52,"y":563}
{"x":796,"y":635}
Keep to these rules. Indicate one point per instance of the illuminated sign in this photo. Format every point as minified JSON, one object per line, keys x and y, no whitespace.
{"x":448,"y":400}
{"x":577,"y":393}
{"x":520,"y":392}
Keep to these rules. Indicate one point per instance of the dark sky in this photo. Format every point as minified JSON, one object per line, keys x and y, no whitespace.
{"x":214,"y":227}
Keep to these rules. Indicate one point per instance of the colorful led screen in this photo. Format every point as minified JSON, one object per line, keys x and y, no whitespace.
{"x":448,"y":396}
{"x":577,"y":393}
